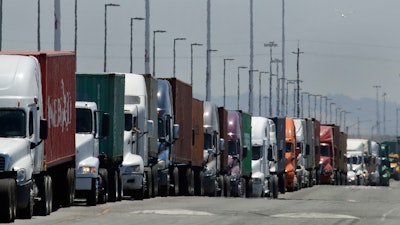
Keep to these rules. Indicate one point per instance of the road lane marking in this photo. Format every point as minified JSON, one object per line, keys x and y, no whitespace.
{"x":105,"y":211}
{"x":314,"y":216}
{"x":174,"y":212}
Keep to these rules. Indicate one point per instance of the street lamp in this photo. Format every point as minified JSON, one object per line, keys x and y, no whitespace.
{"x":251,"y":91}
{"x":105,"y":33}
{"x":225,"y":77}
{"x":131,"y":49}
{"x":208,"y":75}
{"x":154,"y":49}
{"x":238,"y":87}
{"x":270,"y":45}
{"x":259,"y":91}
{"x":176,"y":39}
{"x":191,"y":61}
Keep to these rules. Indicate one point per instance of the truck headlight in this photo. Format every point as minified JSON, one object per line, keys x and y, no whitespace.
{"x":21,"y":175}
{"x":87,"y":169}
{"x":132,"y":169}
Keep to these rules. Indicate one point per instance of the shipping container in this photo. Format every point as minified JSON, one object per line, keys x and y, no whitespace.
{"x":197,"y":133}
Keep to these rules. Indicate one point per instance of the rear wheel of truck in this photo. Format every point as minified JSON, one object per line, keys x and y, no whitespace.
{"x":103,"y":186}
{"x":70,"y":188}
{"x":190,"y":181}
{"x":275,"y":187}
{"x":7,"y":195}
{"x":227,"y":186}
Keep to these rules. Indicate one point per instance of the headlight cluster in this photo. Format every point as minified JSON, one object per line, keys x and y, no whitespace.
{"x":87,"y":169}
{"x":132,"y":169}
{"x":209,"y":173}
{"x":234,"y":177}
{"x":21,"y":175}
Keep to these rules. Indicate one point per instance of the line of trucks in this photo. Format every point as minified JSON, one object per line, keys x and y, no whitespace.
{"x":103,"y":136}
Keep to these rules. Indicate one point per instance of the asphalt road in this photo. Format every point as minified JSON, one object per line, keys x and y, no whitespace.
{"x":318,"y":205}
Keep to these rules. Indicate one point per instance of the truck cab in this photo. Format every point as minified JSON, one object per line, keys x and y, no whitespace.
{"x":90,"y":128}
{"x":291,"y":155}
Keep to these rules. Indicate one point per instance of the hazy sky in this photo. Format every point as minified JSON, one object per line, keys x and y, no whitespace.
{"x":348,"y":45}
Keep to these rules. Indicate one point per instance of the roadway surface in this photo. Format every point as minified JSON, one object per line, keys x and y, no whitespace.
{"x":318,"y":205}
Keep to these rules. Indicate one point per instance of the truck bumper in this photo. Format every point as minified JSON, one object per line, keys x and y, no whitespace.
{"x":84,"y":182}
{"x":133,"y":181}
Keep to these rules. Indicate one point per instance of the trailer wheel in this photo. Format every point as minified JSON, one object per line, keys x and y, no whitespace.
{"x":8,"y":206}
{"x":49,"y":202}
{"x":103,"y":186}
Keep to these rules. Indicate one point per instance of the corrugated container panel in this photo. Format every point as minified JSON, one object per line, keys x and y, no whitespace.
{"x":182,"y":95}
{"x":197,"y":132}
{"x":246,"y":138}
{"x":58,"y":84}
{"x":108,"y":91}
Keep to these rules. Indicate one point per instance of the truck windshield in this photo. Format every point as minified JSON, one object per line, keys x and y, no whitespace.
{"x":83,"y":120}
{"x":128,"y":122}
{"x":12,"y":123}
{"x":207,"y":141}
{"x":324,"y":150}
{"x":256,"y":153}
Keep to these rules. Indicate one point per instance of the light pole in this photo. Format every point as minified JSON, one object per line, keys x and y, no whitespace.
{"x":225,"y":77}
{"x":277,"y":61}
{"x":287,"y":95}
{"x":176,"y":39}
{"x":131,"y":49}
{"x":238,"y":87}
{"x":336,"y":116}
{"x":208,"y":75}
{"x":105,"y":33}
{"x":298,"y":78}
{"x":397,"y":122}
{"x":270,"y":45}
{"x":330,"y":111}
{"x":384,"y":112}
{"x":251,"y":90}
{"x":154,"y":49}
{"x":259,"y":91}
{"x":315,"y":105}
{"x":302,"y":103}
{"x":191,"y":61}
{"x":377,"y":109}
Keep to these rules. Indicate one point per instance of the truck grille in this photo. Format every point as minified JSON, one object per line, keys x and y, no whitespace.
{"x":2,"y":163}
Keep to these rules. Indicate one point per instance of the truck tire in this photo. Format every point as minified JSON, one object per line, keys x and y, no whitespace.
{"x":275,"y":187}
{"x":27,"y":212}
{"x":154,"y":181}
{"x":91,"y":196}
{"x":103,"y":186}
{"x":190,"y":181}
{"x":68,"y":198}
{"x":148,"y":185}
{"x":227,"y":185}
{"x":112,"y":185}
{"x":7,"y":195}
{"x":281,"y":183}
{"x":175,"y":189}
{"x":164,"y":189}
{"x":310,"y":179}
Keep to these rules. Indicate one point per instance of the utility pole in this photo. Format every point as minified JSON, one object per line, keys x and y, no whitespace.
{"x":277,"y":61}
{"x":377,"y":109}
{"x":298,"y":79}
{"x":384,"y":113}
{"x":270,"y":45}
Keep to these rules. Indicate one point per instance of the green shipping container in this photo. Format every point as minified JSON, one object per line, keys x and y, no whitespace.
{"x":108,"y":91}
{"x":246,"y":134}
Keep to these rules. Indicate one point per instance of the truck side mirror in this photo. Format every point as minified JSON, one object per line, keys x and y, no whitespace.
{"x":43,"y":129}
{"x":105,"y":125}
{"x":150,"y":128}
{"x":176,"y":131}
{"x":221,"y":144}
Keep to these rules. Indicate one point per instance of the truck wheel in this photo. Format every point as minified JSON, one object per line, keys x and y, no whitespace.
{"x":112,"y":186}
{"x":175,"y":190}
{"x":8,"y":206}
{"x":190,"y":181}
{"x":68,"y":198}
{"x":164,"y":189}
{"x":27,"y":212}
{"x":103,"y":186}
{"x":147,"y":183}
{"x":154,"y":181}
{"x":281,"y":183}
{"x":227,"y":185}
{"x":49,"y":199}
{"x":91,"y":196}
{"x":310,"y":179}
{"x":275,"y":187}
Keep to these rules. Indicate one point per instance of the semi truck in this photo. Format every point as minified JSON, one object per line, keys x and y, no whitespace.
{"x":239,"y":156}
{"x":139,"y":167}
{"x":107,"y":91}
{"x":356,"y":153}
{"x":291,"y":154}
{"x":265,"y":183}
{"x":213,"y":150}
{"x":278,"y":141}
{"x":37,"y":132}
